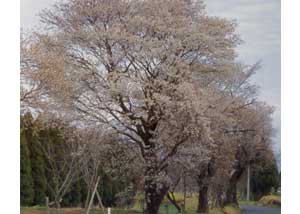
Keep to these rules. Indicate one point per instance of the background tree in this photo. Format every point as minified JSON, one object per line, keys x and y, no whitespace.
{"x":74,"y":197}
{"x":253,"y":144}
{"x":230,"y":93}
{"x":61,"y":147}
{"x":264,"y":178}
{"x":111,"y":158}
{"x":36,"y":159}
{"x":26,"y":186}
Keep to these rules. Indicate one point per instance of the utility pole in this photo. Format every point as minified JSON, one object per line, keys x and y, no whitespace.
{"x":248,"y":183}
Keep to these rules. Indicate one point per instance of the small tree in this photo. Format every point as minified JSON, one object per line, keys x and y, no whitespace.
{"x":61,"y":147}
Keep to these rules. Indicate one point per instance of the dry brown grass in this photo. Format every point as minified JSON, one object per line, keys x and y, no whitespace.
{"x":270,"y":201}
{"x":33,"y":210}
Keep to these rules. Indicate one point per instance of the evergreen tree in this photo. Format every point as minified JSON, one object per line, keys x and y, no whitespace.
{"x":279,"y":181}
{"x":105,"y":189}
{"x":52,"y":140}
{"x":74,"y":197}
{"x":37,"y":161}
{"x":26,"y":185}
{"x":264,"y":179}
{"x":109,"y":188}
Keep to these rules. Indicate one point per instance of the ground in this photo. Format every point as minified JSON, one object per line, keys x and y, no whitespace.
{"x":32,"y":210}
{"x":42,"y":210}
{"x":191,"y":206}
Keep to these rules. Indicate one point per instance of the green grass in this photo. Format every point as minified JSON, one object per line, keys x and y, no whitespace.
{"x":38,"y":210}
{"x":162,"y":210}
{"x":226,"y":210}
{"x":244,"y":202}
{"x":191,"y":205}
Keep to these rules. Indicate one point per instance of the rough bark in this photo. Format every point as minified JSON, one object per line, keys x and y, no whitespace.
{"x":154,"y":194}
{"x":155,"y":187}
{"x":219,"y":200}
{"x":203,"y":181}
{"x":231,"y":193}
{"x":202,"y":199}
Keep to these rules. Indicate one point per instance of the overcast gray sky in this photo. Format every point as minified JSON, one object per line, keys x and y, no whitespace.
{"x":259,"y":26}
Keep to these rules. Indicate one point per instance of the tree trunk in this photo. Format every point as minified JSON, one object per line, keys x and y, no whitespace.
{"x":231,"y":194}
{"x":202,"y":199}
{"x":57,"y":205}
{"x":219,"y":200}
{"x":155,"y":185}
{"x":154,"y":194}
{"x":47,"y":205}
{"x":155,"y":188}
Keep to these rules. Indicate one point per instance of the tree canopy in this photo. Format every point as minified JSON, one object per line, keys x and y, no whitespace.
{"x":161,"y":76}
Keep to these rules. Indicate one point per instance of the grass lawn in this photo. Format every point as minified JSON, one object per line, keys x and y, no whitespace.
{"x":172,"y":210}
{"x":226,"y":210}
{"x":191,"y":204}
{"x":42,"y":210}
{"x":253,"y":203}
{"x":191,"y":207}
